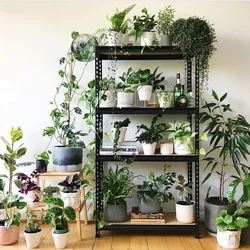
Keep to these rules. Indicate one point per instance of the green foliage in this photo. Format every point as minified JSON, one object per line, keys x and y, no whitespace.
{"x":12,"y":216}
{"x":234,"y":222}
{"x":195,"y":37}
{"x":58,"y":215}
{"x":157,"y":186}
{"x":13,"y":154}
{"x":50,"y":190}
{"x":143,"y":23}
{"x":230,"y":137}
{"x":31,"y":225}
{"x":132,"y":79}
{"x":155,"y":79}
{"x":63,"y":114}
{"x":118,"y":20}
{"x":45,"y":155}
{"x":151,"y":134}
{"x":164,"y":20}
{"x":117,"y":185}
{"x":184,"y":189}
{"x":72,"y":183}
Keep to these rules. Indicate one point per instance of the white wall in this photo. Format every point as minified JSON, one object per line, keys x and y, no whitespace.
{"x":34,"y":35}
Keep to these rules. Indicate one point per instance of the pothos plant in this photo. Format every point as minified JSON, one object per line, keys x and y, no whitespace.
{"x":230,"y":138}
{"x":64,"y":114}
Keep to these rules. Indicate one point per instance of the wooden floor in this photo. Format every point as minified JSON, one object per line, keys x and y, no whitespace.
{"x":123,"y":241}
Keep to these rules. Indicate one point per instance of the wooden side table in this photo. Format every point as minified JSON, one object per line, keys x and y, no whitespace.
{"x":52,"y":175}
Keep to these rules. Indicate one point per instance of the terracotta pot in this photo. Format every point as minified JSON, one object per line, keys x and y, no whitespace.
{"x":10,"y":235}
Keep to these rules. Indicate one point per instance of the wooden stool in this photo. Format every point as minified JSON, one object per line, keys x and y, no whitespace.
{"x":52,"y":175}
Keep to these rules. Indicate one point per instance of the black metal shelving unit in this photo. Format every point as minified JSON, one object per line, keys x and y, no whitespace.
{"x":192,"y":114}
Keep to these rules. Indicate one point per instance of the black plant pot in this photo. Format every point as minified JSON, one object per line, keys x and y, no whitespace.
{"x":67,"y":159}
{"x":41,"y":166}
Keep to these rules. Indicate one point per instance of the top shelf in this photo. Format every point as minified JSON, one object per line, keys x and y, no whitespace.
{"x":138,"y":53}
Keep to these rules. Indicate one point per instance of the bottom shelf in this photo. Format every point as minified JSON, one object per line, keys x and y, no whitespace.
{"x":171,"y":224}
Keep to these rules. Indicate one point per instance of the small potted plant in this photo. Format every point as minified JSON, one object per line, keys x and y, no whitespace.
{"x":116,"y":185}
{"x":144,"y":27}
{"x":58,"y":215}
{"x":10,"y":224}
{"x":118,"y":21}
{"x":42,"y":161}
{"x":51,"y":191}
{"x":32,"y":230}
{"x":155,"y":79}
{"x":71,"y":190}
{"x":230,"y":225}
{"x":151,"y":135}
{"x":185,"y":208}
{"x":165,"y":19}
{"x":30,"y":188}
{"x":153,"y":192}
{"x":107,"y":94}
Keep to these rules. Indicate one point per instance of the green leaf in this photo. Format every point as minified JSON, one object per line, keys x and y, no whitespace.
{"x":223,"y":97}
{"x":206,"y":178}
{"x":241,"y":222}
{"x":70,"y":213}
{"x":215,"y":95}
{"x":21,"y":152}
{"x":231,"y":190}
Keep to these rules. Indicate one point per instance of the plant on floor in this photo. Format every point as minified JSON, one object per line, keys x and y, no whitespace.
{"x":195,"y":37}
{"x":165,"y":19}
{"x":185,"y":189}
{"x":143,"y":23}
{"x":230,"y":137}
{"x":13,"y":154}
{"x":157,"y":186}
{"x":65,"y":113}
{"x":151,"y":134}
{"x":118,"y":19}
{"x":58,"y":215}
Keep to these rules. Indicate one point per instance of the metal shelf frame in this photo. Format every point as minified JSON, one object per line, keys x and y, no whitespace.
{"x":192,"y":114}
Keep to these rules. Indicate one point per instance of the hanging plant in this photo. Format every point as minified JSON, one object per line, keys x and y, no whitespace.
{"x":195,"y":37}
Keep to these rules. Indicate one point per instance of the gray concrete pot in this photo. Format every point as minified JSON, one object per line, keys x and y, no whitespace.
{"x":67,"y":159}
{"x":115,"y":213}
{"x":245,"y":235}
{"x":212,"y":208}
{"x":149,"y":205}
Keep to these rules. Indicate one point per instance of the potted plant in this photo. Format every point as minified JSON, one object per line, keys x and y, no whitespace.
{"x":51,"y":191}
{"x":165,"y":19}
{"x":229,"y":227}
{"x":185,"y":208}
{"x":58,"y":216}
{"x":42,"y":161}
{"x":118,"y":21}
{"x":195,"y":37}
{"x":230,"y":137}
{"x":68,"y":156}
{"x":151,"y":135}
{"x":153,"y":192}
{"x":32,"y":230}
{"x":144,"y":27}
{"x":13,"y":154}
{"x":155,"y":79}
{"x":10,"y":224}
{"x":30,"y":188}
{"x":107,"y":94}
{"x":116,"y":185}
{"x":71,"y":190}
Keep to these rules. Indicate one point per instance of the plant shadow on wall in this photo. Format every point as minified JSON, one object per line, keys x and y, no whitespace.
{"x":65,"y":113}
{"x":195,"y":37}
{"x":230,"y":138}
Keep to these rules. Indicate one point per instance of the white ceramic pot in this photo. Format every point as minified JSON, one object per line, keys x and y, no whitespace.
{"x":125,"y":39}
{"x":165,"y":99}
{"x":185,"y":213}
{"x":32,"y":239}
{"x":110,"y":101}
{"x":149,"y":149}
{"x":153,"y":102}
{"x":60,"y":240}
{"x":71,"y":199}
{"x":114,"y":38}
{"x":228,"y":239}
{"x":31,"y":196}
{"x":147,"y":38}
{"x":181,"y":149}
{"x":125,"y":99}
{"x":166,"y":148}
{"x":145,"y":92}
{"x":123,"y":131}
